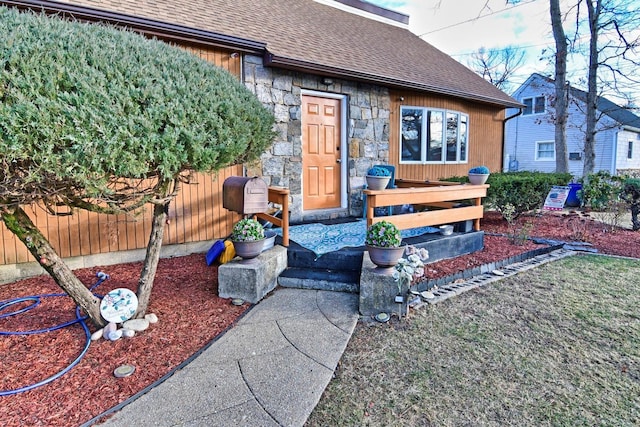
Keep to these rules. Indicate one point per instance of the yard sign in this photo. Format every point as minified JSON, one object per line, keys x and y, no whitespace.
{"x":556,"y":198}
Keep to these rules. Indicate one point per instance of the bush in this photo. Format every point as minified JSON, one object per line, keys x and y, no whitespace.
{"x":518,"y":192}
{"x":600,"y":190}
{"x":521,"y":192}
{"x":383,"y":234}
{"x":630,"y":194}
{"x":75,"y":118}
{"x":247,"y":230}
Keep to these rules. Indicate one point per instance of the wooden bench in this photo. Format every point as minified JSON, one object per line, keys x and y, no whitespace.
{"x":442,"y":195}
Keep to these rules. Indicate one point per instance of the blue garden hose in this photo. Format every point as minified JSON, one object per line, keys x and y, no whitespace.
{"x":35,"y":301}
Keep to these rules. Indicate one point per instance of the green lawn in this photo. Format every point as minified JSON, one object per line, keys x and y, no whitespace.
{"x":558,"y":345}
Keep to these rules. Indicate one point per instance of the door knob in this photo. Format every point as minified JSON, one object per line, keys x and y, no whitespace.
{"x":338,"y":161}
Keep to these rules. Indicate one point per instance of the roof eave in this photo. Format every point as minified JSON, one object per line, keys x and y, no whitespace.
{"x":145,"y":26}
{"x":296,"y":64}
{"x":631,"y":128}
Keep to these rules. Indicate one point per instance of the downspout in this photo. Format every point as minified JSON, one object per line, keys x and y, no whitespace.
{"x":614,"y":152}
{"x":504,"y":136}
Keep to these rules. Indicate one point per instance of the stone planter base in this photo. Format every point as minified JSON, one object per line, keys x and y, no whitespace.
{"x":251,"y":280}
{"x":378,"y":290}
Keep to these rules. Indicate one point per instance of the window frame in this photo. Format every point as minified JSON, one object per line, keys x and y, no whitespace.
{"x":537,"y":152}
{"x":533,"y":108}
{"x":424,"y":132}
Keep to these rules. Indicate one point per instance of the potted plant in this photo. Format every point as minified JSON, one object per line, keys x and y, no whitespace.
{"x":478,"y":175}
{"x":247,"y":237}
{"x":378,"y":178}
{"x":383,"y":244}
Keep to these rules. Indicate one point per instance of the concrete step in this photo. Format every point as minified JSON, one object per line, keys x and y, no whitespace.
{"x":340,"y":270}
{"x":320,"y":279}
{"x":345,"y":259}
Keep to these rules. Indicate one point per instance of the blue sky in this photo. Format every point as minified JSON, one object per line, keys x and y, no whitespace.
{"x":460,"y":27}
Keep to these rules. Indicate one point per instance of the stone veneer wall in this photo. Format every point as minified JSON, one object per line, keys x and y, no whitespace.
{"x":367,"y":133}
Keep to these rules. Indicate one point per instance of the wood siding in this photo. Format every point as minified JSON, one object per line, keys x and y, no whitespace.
{"x":195,"y":215}
{"x":485,"y":136}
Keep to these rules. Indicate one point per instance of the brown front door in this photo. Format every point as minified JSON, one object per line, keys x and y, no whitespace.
{"x":321,"y":172}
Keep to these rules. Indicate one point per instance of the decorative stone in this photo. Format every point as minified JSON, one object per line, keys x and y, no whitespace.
{"x":382,"y":317}
{"x":115,"y":335}
{"x":151,"y":317}
{"x":108,"y":329}
{"x":97,"y":334}
{"x":128,"y":333}
{"x":119,"y":305}
{"x":237,"y":301}
{"x":427,"y":295}
{"x":124,"y":371}
{"x":137,"y":325}
{"x":497,"y":273}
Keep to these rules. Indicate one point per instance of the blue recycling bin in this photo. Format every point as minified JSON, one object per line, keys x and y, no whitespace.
{"x":573,"y":200}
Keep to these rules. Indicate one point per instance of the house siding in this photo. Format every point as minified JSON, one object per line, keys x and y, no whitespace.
{"x":623,"y":163}
{"x":524,"y":131}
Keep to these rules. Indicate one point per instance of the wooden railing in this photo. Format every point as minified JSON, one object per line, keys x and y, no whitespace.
{"x":280,"y":196}
{"x":444,"y":196}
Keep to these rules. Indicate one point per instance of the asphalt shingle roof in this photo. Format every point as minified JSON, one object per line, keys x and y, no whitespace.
{"x":309,"y":35}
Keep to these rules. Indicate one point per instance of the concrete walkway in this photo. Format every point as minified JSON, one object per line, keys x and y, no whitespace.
{"x":269,"y":370}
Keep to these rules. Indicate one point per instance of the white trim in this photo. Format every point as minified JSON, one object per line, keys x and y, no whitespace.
{"x":533,"y":105}
{"x":423,"y":143}
{"x":344,"y":146}
{"x":544,"y":159}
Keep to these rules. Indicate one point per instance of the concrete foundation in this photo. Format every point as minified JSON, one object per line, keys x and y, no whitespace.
{"x":378,"y":290}
{"x":252,"y":279}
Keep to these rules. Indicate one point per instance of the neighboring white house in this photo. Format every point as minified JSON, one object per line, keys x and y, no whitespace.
{"x":529,"y":137}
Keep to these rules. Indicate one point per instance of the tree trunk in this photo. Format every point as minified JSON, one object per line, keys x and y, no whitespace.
{"x":19,"y":223}
{"x":562,"y":158}
{"x":148,"y":273}
{"x":592,"y":89}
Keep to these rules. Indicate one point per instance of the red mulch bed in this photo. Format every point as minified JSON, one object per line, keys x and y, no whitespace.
{"x":191,"y":315}
{"x":566,"y":226}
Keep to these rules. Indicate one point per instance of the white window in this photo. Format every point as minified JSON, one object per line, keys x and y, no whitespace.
{"x":533,"y":105}
{"x":433,"y":136}
{"x":545,"y":151}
